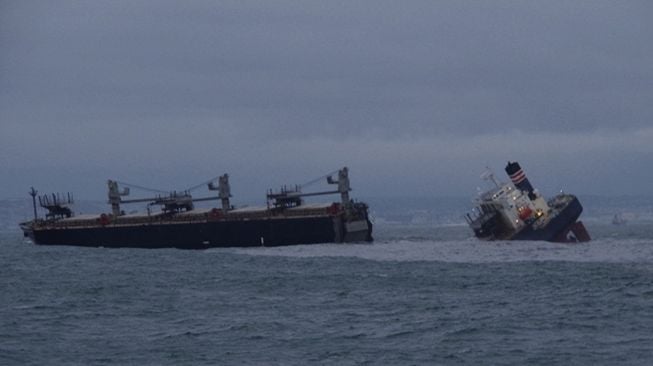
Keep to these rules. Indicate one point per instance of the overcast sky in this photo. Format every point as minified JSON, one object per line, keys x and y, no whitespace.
{"x":416,"y":97}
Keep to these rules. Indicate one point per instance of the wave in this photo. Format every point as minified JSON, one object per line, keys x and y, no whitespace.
{"x":470,"y":251}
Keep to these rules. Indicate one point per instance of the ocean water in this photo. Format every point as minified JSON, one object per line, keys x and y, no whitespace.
{"x":425,"y":292}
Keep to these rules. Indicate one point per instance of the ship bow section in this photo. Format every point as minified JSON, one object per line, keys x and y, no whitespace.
{"x":355,"y":225}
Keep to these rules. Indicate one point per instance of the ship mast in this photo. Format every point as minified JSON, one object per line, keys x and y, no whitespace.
{"x":488,"y":174}
{"x":114,"y":196}
{"x":224,"y":191}
{"x":33,"y":192}
{"x":343,"y":184}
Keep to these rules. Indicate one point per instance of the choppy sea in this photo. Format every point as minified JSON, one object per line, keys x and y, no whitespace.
{"x":424,"y":293}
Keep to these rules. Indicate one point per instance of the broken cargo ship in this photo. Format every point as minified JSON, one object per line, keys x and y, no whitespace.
{"x":516,"y":211}
{"x":286,"y":220}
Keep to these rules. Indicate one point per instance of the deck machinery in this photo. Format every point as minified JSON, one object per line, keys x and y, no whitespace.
{"x":285,"y":220}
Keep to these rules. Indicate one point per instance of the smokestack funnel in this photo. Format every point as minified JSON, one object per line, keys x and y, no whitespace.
{"x":519,"y":179}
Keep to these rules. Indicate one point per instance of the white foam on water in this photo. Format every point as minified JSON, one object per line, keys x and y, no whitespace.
{"x":471,"y":251}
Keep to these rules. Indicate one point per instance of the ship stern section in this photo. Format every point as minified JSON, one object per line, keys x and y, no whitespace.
{"x":563,"y":226}
{"x":28,"y":229}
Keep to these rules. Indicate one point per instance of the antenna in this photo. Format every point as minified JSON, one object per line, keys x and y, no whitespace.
{"x":488,"y":174}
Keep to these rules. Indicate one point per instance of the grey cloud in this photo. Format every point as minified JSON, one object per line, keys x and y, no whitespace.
{"x":125,"y":87}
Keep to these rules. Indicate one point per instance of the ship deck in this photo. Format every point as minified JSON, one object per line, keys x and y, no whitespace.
{"x":191,"y":216}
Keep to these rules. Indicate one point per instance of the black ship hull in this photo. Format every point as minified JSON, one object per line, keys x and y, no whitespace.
{"x":559,"y":228}
{"x":210,"y":234}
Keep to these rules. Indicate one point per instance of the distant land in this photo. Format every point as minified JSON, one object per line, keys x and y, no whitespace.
{"x":384,"y":210}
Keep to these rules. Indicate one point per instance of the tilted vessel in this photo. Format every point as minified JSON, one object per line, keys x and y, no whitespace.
{"x":285,"y":220}
{"x":517,"y":211}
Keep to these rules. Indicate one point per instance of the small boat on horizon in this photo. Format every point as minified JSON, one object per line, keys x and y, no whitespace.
{"x":619,"y":220}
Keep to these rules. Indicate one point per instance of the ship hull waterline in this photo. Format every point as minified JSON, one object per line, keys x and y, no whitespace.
{"x":557,"y":229}
{"x":209,"y":234}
